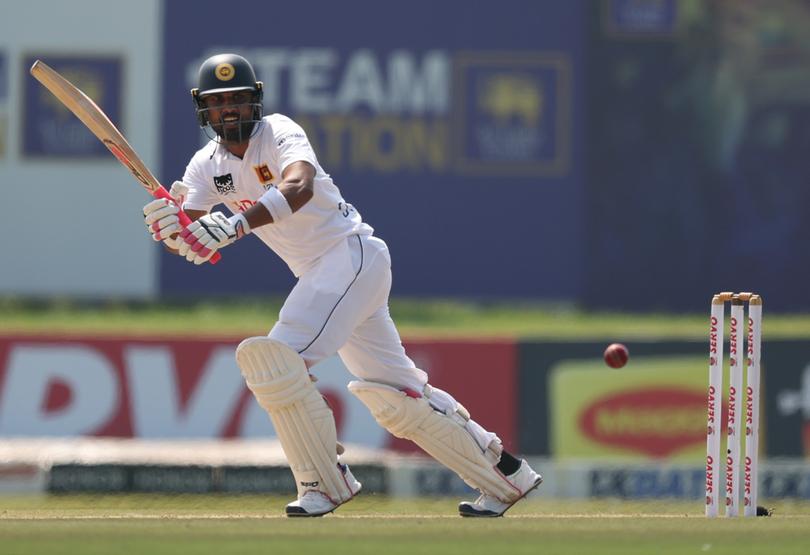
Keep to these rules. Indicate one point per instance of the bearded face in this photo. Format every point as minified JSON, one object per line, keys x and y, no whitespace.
{"x":231,"y":115}
{"x":234,"y":131}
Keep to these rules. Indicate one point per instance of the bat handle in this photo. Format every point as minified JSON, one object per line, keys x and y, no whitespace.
{"x":185,"y":221}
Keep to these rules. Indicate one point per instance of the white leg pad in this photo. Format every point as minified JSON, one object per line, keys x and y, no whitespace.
{"x":444,"y":437}
{"x":305,"y":425}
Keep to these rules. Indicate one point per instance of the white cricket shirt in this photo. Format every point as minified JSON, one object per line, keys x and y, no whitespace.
{"x":216,"y":176}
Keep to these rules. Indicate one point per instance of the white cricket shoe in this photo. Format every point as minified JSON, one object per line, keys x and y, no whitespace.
{"x":524,"y":479}
{"x":316,"y":503}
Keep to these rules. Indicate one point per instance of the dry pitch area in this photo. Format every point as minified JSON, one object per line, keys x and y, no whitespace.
{"x":378,"y":525}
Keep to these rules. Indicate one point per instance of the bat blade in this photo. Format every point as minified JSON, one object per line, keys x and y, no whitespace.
{"x":100,"y":125}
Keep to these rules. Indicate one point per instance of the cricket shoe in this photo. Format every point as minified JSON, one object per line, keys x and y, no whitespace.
{"x":317,"y":503}
{"x":524,"y":479}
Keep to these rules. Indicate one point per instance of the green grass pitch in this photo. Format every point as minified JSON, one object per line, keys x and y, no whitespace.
{"x":219,"y":525}
{"x":415,"y":318}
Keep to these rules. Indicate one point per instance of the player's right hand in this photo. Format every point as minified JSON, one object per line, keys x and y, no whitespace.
{"x":179,"y":192}
{"x":160,"y":217}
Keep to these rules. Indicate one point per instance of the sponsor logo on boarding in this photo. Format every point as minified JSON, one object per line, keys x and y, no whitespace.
{"x":513,"y":113}
{"x":646,"y":482}
{"x":51,"y":130}
{"x":657,"y":421}
{"x":224,"y":184}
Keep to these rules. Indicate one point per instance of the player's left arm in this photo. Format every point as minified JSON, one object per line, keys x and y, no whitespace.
{"x":296,"y":189}
{"x":213,"y":231}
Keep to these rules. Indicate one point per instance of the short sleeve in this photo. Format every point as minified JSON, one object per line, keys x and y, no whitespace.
{"x":200,"y":195}
{"x":292,"y":144}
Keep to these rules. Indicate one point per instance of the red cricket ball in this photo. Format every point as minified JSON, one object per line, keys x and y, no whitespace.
{"x":616,"y":355}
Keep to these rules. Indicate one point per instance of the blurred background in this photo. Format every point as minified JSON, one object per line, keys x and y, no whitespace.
{"x":622,"y":157}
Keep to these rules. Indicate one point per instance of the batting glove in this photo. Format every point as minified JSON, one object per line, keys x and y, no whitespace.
{"x":160,"y":216}
{"x":203,"y":238}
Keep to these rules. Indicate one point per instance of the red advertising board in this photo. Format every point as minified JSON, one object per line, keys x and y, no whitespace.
{"x":481,"y":375}
{"x":163,"y":388}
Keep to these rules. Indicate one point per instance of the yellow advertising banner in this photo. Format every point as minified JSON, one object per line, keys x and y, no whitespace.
{"x":655,"y":408}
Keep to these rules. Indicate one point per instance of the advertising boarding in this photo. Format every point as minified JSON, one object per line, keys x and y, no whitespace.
{"x":170,"y":388}
{"x":455,"y":135}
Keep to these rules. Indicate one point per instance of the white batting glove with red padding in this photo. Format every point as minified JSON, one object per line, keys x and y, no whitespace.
{"x":160,"y":216}
{"x":179,"y":192}
{"x":210,"y":233}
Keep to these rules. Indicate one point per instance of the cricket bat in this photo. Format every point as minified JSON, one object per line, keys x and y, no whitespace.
{"x":97,"y":121}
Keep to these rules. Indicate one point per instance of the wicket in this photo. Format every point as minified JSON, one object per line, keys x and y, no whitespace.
{"x":752,"y":355}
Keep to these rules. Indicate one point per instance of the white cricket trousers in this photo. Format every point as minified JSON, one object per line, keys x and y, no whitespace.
{"x":341,"y":306}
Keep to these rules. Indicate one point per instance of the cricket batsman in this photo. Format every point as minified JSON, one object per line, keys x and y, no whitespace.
{"x":264,"y":170}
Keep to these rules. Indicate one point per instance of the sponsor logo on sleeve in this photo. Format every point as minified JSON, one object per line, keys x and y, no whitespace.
{"x":290,"y":137}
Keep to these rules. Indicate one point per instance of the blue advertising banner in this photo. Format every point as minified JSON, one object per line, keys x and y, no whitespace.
{"x":697,"y":149}
{"x":453,"y":128}
{"x":51,"y":129}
